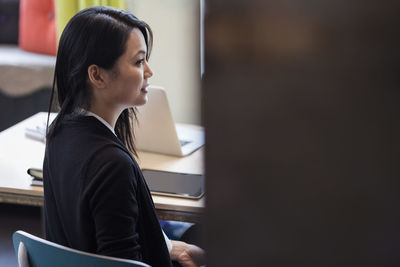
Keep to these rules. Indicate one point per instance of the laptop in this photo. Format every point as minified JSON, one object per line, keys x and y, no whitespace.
{"x":157,"y":132}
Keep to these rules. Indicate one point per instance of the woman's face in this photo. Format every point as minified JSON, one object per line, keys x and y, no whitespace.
{"x":129,"y":77}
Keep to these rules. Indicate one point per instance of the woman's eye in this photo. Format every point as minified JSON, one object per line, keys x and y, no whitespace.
{"x":140,"y":62}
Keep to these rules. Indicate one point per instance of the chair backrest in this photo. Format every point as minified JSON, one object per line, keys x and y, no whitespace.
{"x":43,"y":253}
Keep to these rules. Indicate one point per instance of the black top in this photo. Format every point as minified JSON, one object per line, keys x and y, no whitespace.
{"x":96,"y":198}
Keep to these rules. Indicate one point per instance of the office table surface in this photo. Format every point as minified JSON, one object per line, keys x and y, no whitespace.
{"x":18,"y":153}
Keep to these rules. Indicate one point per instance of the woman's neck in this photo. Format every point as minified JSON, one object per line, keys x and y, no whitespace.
{"x":110,"y":115}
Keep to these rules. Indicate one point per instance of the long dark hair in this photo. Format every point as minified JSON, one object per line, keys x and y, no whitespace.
{"x":95,"y":35}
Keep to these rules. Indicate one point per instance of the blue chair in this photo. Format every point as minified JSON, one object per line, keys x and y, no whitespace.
{"x":33,"y":251}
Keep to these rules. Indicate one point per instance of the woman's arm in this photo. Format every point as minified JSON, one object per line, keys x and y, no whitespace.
{"x":112,"y":202}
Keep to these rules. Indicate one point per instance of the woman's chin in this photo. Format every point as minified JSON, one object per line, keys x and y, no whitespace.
{"x":141,"y":101}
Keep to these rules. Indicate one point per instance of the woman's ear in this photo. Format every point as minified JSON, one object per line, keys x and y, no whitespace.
{"x":96,"y":76}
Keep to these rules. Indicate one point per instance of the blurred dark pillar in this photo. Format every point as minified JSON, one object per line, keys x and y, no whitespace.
{"x":302,"y":114}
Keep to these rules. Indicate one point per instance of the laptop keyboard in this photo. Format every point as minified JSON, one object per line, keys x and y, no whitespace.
{"x":183,"y":142}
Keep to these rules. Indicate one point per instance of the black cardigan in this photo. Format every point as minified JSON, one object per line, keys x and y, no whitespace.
{"x":96,"y":198}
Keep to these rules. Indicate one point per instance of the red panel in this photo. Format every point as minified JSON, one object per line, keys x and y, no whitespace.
{"x":37,"y":26}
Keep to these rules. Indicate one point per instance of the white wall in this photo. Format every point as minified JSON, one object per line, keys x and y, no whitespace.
{"x":175,"y":58}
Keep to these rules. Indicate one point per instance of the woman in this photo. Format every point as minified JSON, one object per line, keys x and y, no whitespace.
{"x":96,"y":198}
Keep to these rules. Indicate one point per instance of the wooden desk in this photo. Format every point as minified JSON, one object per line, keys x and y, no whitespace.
{"x":18,"y":153}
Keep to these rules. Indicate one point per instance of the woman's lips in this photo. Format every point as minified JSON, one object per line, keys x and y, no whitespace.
{"x":144,"y":89}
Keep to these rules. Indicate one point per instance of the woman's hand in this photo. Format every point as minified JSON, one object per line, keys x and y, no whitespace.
{"x":186,"y":254}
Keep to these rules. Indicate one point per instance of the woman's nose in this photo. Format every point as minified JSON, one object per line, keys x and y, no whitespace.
{"x":147,"y":71}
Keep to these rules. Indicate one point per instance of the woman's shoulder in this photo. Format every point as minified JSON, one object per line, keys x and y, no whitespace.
{"x":111,"y":159}
{"x":87,"y":134}
{"x":92,"y":144}
{"x":85,"y":124}
{"x":112,"y":152}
